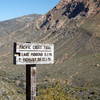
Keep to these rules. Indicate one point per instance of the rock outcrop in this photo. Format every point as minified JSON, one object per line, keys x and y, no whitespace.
{"x":69,"y":9}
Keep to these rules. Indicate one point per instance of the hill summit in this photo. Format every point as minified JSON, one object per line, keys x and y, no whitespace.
{"x":83,"y":7}
{"x":69,"y":9}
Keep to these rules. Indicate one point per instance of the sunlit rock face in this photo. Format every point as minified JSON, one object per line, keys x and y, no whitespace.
{"x":66,"y":10}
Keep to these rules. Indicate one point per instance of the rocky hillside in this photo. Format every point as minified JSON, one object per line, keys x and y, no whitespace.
{"x":69,"y":9}
{"x":74,"y":27}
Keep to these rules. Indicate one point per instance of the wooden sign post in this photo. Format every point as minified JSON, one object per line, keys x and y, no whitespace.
{"x":30,"y":82}
{"x":30,"y":54}
{"x":33,"y":83}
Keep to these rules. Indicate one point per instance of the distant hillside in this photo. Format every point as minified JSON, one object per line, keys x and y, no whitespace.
{"x":12,"y":78}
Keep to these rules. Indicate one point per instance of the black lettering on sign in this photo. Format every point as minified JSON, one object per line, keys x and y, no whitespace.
{"x":37,"y":47}
{"x":47,"y":47}
{"x":19,"y":59}
{"x":24,"y":47}
{"x":24,"y":54}
{"x":29,"y":59}
{"x":47,"y":54}
{"x":49,"y":59}
{"x":38,"y":59}
{"x":36,"y":54}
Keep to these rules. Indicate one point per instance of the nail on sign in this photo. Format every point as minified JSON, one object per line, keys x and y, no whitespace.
{"x":34,"y":53}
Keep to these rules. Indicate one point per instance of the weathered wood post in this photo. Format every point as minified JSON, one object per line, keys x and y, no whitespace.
{"x":33,"y":83}
{"x":30,"y":82}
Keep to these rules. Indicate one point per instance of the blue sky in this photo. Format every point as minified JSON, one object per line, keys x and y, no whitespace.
{"x":15,"y":8}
